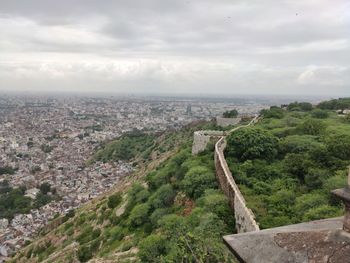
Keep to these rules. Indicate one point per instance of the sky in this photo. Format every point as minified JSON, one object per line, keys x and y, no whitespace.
{"x":281,"y":47}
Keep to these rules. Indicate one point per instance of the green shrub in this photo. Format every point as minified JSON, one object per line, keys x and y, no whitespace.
{"x":250,"y":143}
{"x":163,"y":197}
{"x":139,"y":215}
{"x":114,"y":200}
{"x":312,"y":127}
{"x":84,"y":253}
{"x":152,"y":248}
{"x":320,"y":212}
{"x":197,"y":180}
{"x":320,"y":114}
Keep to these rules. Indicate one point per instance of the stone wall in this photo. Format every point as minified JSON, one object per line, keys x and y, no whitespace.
{"x":245,"y":219}
{"x":224,"y":122}
{"x":201,"y":139}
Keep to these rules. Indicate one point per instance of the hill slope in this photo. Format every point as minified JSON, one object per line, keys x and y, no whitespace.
{"x":170,"y":210}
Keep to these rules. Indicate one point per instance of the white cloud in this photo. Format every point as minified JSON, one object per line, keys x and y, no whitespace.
{"x":183,"y":46}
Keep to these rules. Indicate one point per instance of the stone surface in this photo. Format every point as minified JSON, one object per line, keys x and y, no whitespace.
{"x":344,"y":195}
{"x":313,"y":242}
{"x":202,"y":138}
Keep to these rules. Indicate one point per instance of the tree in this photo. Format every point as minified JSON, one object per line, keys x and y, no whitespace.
{"x":163,"y":197}
{"x":230,"y":114}
{"x":114,"y":200}
{"x":302,"y":106}
{"x":338,"y":145}
{"x":41,"y":200}
{"x":139,"y":215}
{"x":314,"y":178}
{"x":197,"y":180}
{"x":84,"y":253}
{"x":320,"y":114}
{"x":5,"y":187}
{"x":215,"y":202}
{"x":298,"y":164}
{"x":251,"y":143}
{"x":45,"y":188}
{"x":273,"y":112}
{"x":7,"y":170}
{"x":152,"y":248}
{"x":298,"y":144}
{"x":312,"y":127}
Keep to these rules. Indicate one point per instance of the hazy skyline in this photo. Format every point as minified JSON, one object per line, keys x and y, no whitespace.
{"x":186,"y":46}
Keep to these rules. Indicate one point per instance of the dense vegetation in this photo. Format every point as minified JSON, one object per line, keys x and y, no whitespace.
{"x":289,"y":162}
{"x":230,"y":114}
{"x":7,"y":170}
{"x":13,"y":200}
{"x":336,"y":104}
{"x":176,"y":213}
{"x":127,"y":147}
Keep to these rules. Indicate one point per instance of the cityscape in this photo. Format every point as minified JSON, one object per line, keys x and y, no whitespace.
{"x":50,"y":140}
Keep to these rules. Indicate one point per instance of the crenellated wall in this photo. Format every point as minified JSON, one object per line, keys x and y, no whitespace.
{"x":245,"y":219}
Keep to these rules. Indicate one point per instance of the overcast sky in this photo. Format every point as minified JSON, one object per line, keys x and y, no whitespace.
{"x":176,"y":46}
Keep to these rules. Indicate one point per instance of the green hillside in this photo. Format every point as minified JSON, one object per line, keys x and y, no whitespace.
{"x":173,"y":212}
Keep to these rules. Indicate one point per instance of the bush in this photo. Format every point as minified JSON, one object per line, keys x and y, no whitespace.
{"x":314,"y":178}
{"x":273,"y":112}
{"x":197,"y":180}
{"x":114,"y":200}
{"x":84,"y":253}
{"x":215,"y":202}
{"x":312,"y":127}
{"x":250,"y":143}
{"x":323,"y":211}
{"x":7,"y":170}
{"x":230,"y":114}
{"x":139,"y":215}
{"x":302,"y":106}
{"x":338,"y":145}
{"x":320,"y":114}
{"x":298,"y":144}
{"x":152,"y":248}
{"x":163,"y":197}
{"x":157,"y":215}
{"x":298,"y":164}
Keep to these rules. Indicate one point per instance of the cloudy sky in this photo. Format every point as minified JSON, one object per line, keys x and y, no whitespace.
{"x":176,"y":46}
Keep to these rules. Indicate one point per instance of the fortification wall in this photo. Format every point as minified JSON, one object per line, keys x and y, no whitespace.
{"x":224,"y":122}
{"x":202,"y":138}
{"x":245,"y":219}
